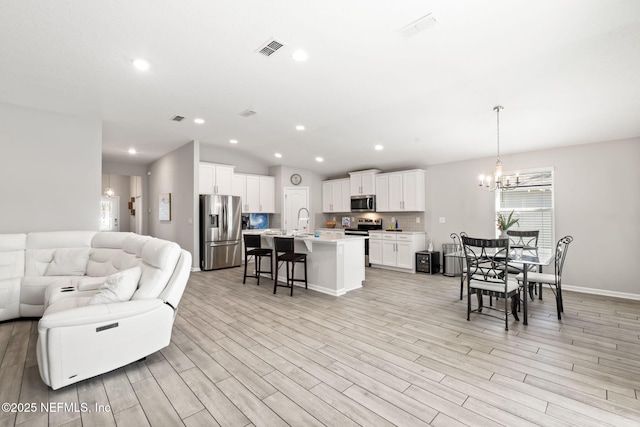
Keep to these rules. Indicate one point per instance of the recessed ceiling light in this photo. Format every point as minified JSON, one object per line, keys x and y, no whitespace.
{"x":299,"y":55}
{"x":132,"y":151}
{"x":198,"y":120}
{"x":378,"y":147}
{"x":141,"y":64}
{"x":278,"y":155}
{"x":319,"y":159}
{"x":233,"y":141}
{"x":300,"y":127}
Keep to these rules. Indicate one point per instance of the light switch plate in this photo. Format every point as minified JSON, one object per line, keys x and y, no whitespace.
{"x":442,"y":220}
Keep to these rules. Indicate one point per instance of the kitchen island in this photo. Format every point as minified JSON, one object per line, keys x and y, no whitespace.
{"x":335,"y":263}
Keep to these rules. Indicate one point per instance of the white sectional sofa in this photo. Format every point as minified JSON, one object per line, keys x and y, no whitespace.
{"x":105,"y":299}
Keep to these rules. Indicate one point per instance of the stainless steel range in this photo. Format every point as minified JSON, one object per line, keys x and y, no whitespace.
{"x":363,"y":226}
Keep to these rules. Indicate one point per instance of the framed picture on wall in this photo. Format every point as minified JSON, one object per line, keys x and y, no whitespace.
{"x":164,"y":207}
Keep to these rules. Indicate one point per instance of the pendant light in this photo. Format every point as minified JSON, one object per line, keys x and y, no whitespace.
{"x":499,"y":181}
{"x":109,"y":192}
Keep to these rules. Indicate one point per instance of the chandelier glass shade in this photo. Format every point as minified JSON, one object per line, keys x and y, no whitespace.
{"x":498,"y":181}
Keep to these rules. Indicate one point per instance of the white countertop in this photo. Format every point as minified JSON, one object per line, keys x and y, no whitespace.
{"x":322,"y":238}
{"x":396,"y":232}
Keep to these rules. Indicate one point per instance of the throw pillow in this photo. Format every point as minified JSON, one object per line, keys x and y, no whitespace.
{"x":68,"y":262}
{"x":118,"y":287}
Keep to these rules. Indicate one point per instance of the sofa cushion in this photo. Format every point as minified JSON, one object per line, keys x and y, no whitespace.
{"x":87,"y":283}
{"x":118,"y":287}
{"x":134,"y":243}
{"x":41,"y":248}
{"x":109,"y":239}
{"x":12,"y":255}
{"x":159,"y":259}
{"x":65,"y":304}
{"x":68,"y":262}
{"x":104,"y":261}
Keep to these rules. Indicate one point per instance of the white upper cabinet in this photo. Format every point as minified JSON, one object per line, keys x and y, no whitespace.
{"x":257,"y":192}
{"x":215,"y":179}
{"x":382,"y":192}
{"x":413,"y":188}
{"x":400,"y":191}
{"x":345,"y":187}
{"x":363,"y":182}
{"x":336,"y":195}
{"x":267,"y":194}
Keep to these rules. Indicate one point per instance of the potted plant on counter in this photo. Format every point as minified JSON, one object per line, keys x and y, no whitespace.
{"x":505,"y":223}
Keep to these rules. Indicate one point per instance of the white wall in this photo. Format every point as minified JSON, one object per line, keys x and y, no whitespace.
{"x":244,"y":163}
{"x":176,"y":173}
{"x":50,"y":167}
{"x":597,"y":201}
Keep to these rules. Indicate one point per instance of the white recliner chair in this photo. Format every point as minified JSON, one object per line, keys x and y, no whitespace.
{"x":77,"y":341}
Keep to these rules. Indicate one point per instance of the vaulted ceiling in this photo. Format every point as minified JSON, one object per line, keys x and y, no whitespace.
{"x":567,"y":72}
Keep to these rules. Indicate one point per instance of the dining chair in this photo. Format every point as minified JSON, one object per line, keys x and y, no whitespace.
{"x":285,"y":254}
{"x":553,"y":280}
{"x":527,"y":240}
{"x":253,"y":248}
{"x":487,"y":274}
{"x":457,"y":246}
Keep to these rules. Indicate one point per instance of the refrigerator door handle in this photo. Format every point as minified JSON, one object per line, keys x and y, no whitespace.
{"x":225,"y":226}
{"x":214,"y":244}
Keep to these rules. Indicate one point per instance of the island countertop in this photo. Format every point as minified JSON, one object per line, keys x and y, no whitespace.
{"x":322,"y":238}
{"x":335,"y":263}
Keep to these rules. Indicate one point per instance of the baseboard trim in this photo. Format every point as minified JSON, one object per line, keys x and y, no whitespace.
{"x":603,"y":292}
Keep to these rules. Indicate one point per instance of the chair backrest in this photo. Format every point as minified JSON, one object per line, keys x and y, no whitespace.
{"x":486,"y":259}
{"x":561,"y":253}
{"x":457,"y":245}
{"x":283,"y":244}
{"x":252,"y":241}
{"x":523,"y":238}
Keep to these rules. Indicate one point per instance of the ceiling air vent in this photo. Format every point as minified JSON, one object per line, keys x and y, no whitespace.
{"x":248,"y":112}
{"x":270,"y":47}
{"x":178,"y":118}
{"x":418,"y":25}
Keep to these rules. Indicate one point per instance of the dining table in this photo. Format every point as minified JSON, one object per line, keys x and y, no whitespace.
{"x":527,"y":256}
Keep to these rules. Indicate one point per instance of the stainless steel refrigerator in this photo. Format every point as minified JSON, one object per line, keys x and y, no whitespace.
{"x":220,"y":231}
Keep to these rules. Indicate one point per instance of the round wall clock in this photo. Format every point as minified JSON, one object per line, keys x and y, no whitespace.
{"x":296,"y":179}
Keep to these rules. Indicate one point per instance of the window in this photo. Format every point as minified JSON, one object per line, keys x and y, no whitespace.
{"x":532,"y":203}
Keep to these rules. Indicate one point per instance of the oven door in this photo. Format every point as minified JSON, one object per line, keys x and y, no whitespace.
{"x":363,"y":203}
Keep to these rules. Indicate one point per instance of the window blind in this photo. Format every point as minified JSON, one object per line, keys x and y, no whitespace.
{"x":532,"y":204}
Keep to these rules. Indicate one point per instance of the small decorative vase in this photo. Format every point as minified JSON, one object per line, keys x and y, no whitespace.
{"x":503,"y":234}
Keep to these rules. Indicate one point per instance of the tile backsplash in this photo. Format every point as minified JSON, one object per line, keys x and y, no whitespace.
{"x":406,"y":220}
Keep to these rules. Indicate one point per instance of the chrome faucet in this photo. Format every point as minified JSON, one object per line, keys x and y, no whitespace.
{"x":306,"y":219}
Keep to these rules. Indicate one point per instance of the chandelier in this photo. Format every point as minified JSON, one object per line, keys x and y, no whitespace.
{"x":498,"y":182}
{"x":109,"y":192}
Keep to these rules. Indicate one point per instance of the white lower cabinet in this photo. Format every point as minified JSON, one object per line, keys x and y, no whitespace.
{"x":395,"y":250}
{"x":375,"y":248}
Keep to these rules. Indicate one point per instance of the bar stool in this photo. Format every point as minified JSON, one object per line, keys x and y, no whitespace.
{"x":253,"y":248}
{"x":285,"y":253}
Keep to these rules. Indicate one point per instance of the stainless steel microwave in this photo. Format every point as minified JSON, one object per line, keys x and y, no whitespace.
{"x":363,"y":203}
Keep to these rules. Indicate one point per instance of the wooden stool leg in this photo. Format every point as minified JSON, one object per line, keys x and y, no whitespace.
{"x":293,"y":266}
{"x":305,"y":274}
{"x":258,"y":261}
{"x":275,"y":282}
{"x":244,"y":277}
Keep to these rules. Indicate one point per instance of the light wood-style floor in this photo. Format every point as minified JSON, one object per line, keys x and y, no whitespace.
{"x":397,"y":352}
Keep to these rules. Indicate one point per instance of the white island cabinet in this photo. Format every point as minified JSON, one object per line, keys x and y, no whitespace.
{"x":334,"y":262}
